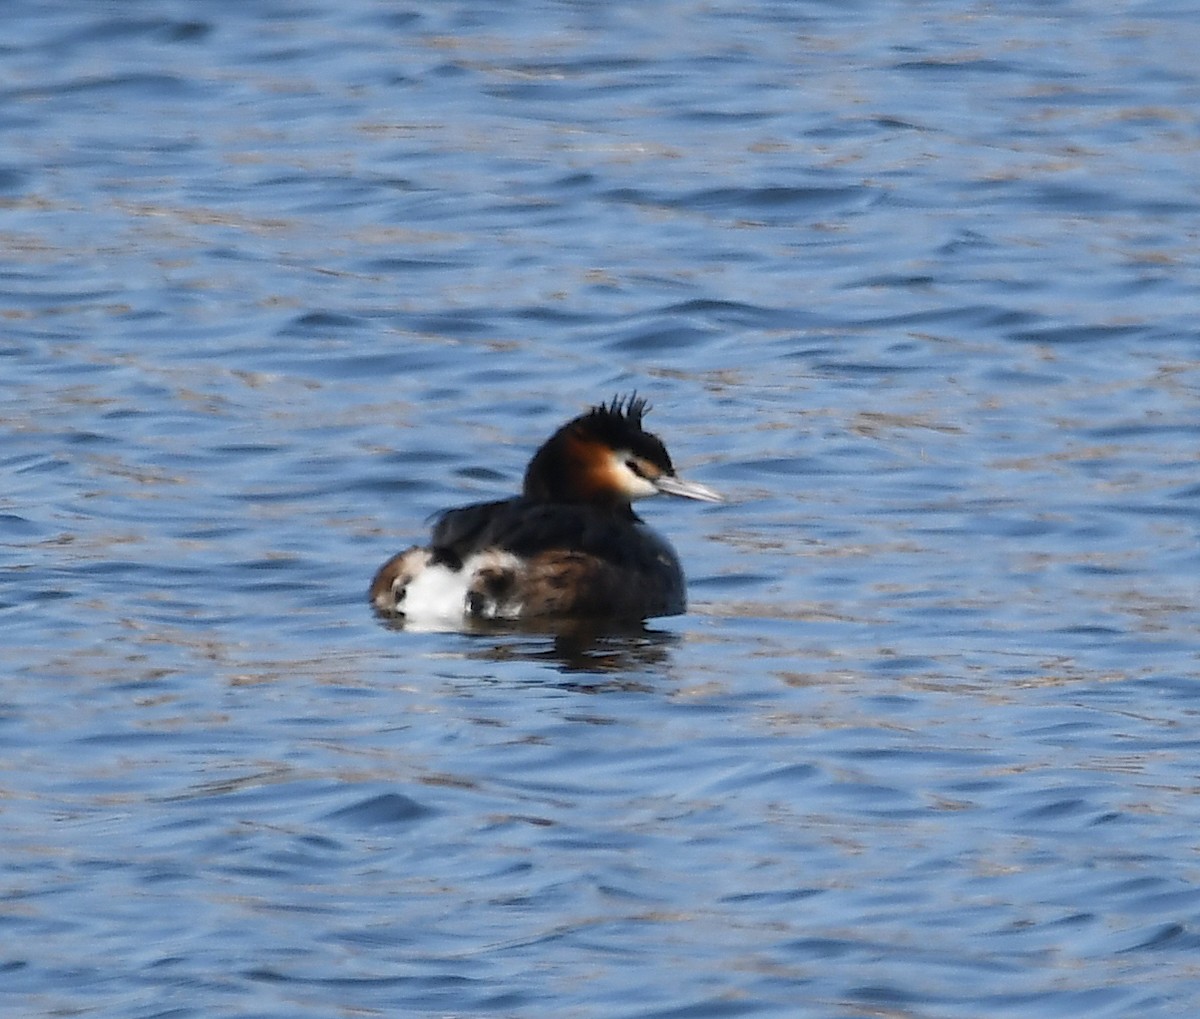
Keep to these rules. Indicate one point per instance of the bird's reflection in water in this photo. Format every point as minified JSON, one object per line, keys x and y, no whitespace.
{"x":602,"y":648}
{"x":590,"y":647}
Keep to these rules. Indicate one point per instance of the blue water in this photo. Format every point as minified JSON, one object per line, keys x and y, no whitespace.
{"x":916,"y":285}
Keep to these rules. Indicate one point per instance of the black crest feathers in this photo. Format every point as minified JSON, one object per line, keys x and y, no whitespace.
{"x":618,"y":422}
{"x":621,"y":411}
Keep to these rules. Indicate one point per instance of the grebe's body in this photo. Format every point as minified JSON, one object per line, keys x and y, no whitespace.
{"x":569,"y":546}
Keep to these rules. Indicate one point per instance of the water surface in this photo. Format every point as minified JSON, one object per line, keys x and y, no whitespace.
{"x":915,"y":286}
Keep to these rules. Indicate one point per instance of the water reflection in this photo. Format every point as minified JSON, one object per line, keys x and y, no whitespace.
{"x":592,"y":646}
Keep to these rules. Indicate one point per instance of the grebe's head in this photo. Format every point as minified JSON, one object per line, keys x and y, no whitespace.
{"x":606,"y":457}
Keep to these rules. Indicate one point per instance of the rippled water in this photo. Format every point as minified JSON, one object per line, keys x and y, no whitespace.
{"x":915,"y":285}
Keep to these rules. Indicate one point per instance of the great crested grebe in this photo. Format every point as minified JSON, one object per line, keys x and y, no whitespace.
{"x":568,"y":546}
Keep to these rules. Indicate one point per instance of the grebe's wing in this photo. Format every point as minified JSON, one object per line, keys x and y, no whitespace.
{"x":527,"y":528}
{"x":577,"y":559}
{"x":469,"y":529}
